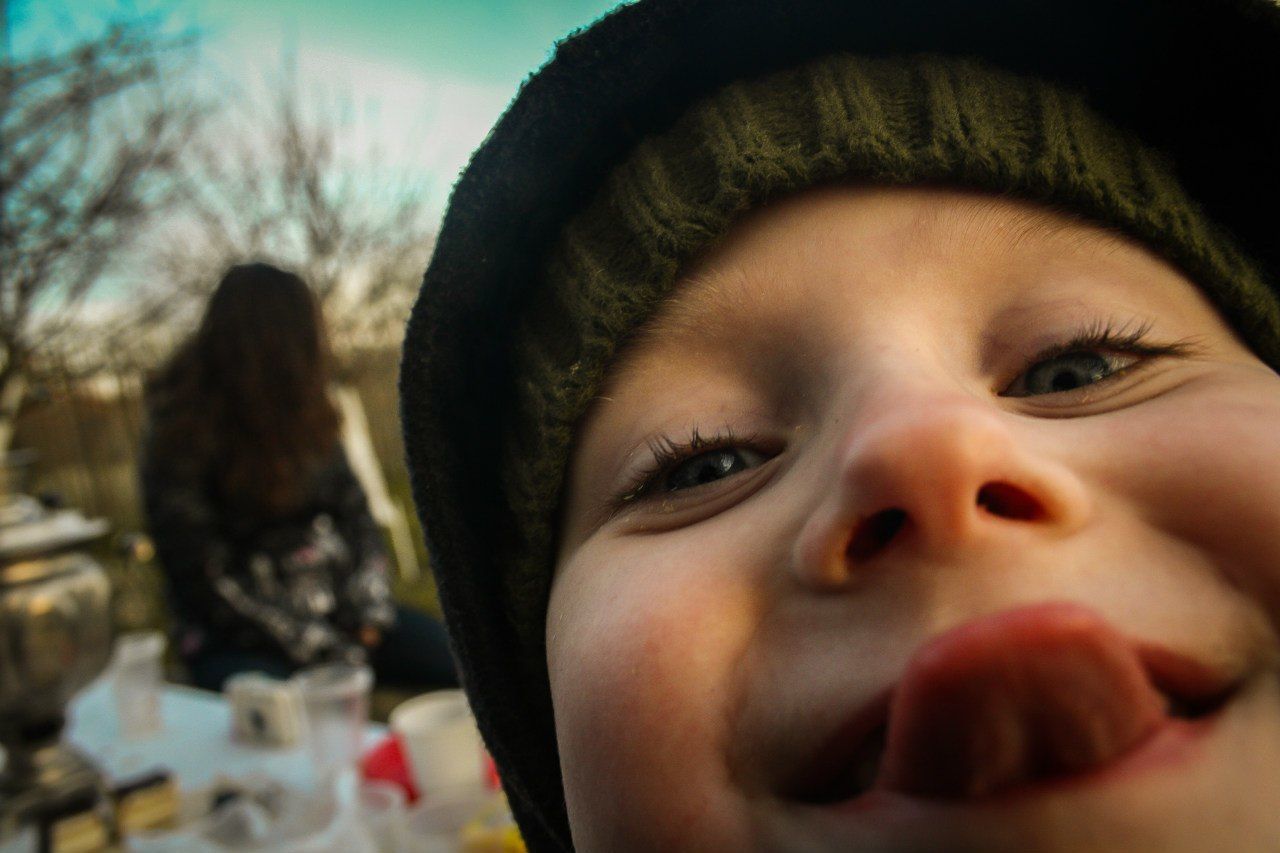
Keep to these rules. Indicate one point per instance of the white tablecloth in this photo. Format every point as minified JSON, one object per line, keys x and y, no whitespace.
{"x":195,"y":742}
{"x":195,"y":745}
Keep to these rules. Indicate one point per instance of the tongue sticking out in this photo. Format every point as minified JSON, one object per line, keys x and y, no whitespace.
{"x":1042,"y":691}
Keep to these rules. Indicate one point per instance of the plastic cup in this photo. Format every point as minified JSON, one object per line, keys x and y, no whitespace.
{"x":440,"y":825}
{"x":382,"y":811}
{"x":440,"y":739}
{"x":335,"y":709}
{"x":137,"y":670}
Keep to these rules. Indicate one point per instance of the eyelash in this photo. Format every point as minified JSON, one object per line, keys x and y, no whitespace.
{"x":668,"y":452}
{"x":1106,"y":335}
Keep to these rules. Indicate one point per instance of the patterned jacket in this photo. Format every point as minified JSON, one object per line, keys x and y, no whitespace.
{"x":302,"y":584}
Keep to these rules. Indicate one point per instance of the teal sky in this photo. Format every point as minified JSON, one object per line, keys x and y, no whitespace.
{"x":494,"y":41}
{"x":435,"y":73}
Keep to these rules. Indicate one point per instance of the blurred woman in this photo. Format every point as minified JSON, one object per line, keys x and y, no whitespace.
{"x":272,"y":559}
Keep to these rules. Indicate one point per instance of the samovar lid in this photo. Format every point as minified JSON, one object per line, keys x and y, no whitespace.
{"x":29,"y":530}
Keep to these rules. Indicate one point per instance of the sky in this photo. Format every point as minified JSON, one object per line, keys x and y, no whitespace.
{"x":429,"y":77}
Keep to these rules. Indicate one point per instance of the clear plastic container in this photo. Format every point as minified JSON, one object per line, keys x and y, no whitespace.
{"x":435,"y":826}
{"x":137,"y":671}
{"x":335,"y":710}
{"x":477,"y":821}
{"x":382,"y":812}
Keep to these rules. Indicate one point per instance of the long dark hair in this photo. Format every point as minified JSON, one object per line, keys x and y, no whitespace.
{"x":245,"y":396}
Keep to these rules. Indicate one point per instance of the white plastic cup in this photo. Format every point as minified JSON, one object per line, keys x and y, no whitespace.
{"x":335,"y":709}
{"x":439,"y":737}
{"x":137,"y":675}
{"x":382,"y":811}
{"x":435,"y":825}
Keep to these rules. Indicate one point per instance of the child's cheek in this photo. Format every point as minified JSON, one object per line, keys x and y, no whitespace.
{"x":644,"y":655}
{"x":1210,"y":477}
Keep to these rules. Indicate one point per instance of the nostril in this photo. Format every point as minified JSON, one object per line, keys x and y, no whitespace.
{"x":1009,"y":501}
{"x":876,"y":532}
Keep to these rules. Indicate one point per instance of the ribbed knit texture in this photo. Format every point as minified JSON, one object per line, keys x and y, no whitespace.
{"x":841,"y":118}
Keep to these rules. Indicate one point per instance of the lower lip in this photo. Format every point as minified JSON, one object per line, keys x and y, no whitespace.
{"x":1174,"y":744}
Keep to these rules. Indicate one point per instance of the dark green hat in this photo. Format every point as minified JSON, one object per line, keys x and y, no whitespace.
{"x":649,"y":134}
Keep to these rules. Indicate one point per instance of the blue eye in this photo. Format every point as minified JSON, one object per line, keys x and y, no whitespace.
{"x":1095,"y":354}
{"x":709,"y":467}
{"x":1067,"y":372}
{"x":680,"y":466}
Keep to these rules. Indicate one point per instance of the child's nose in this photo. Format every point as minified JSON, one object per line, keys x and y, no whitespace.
{"x":933,"y":474}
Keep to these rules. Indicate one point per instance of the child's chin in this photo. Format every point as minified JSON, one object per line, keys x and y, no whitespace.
{"x":1207,"y":784}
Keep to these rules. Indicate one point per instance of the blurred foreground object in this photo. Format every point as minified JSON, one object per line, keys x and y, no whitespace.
{"x":55,"y":635}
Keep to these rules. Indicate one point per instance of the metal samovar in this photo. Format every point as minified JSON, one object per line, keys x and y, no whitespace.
{"x":55,"y":638}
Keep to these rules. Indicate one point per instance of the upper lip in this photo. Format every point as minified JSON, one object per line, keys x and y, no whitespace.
{"x":1191,"y":688}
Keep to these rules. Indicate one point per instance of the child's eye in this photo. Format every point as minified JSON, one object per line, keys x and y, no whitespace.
{"x":708,"y":467}
{"x":679,"y":466}
{"x":1092,"y":356}
{"x":1067,"y":372}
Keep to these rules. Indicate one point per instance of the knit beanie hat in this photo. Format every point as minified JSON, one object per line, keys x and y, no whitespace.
{"x":489,"y":427}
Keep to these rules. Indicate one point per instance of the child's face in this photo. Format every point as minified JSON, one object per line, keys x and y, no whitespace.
{"x":876,"y":419}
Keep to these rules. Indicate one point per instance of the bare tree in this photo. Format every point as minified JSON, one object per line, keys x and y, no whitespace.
{"x":90,"y":138}
{"x":275,"y":183}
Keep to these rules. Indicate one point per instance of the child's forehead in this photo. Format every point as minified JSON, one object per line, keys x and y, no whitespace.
{"x":745,"y":276}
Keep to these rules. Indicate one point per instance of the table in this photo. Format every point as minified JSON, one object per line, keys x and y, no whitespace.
{"x":195,"y":742}
{"x":195,"y":745}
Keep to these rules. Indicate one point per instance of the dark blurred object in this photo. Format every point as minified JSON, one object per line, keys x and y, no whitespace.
{"x":137,"y":596}
{"x":55,"y":637}
{"x":145,"y":802}
{"x":81,"y":822}
{"x":14,"y":469}
{"x":136,"y":548}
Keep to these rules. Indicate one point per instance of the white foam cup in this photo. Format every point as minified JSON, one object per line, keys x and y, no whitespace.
{"x":439,"y":737}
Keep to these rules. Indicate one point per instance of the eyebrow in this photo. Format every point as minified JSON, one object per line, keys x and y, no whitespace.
{"x":710,"y":306}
